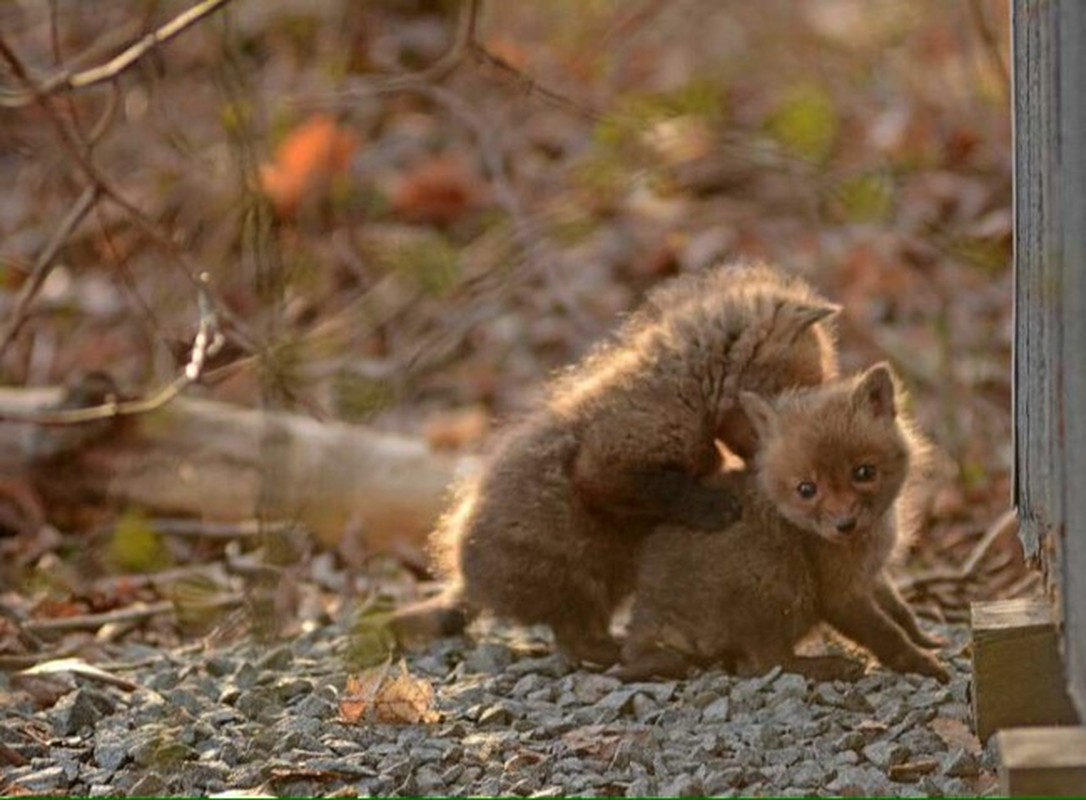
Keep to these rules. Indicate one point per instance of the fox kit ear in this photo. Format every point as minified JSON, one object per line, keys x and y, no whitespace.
{"x":875,"y":391}
{"x":762,"y":416}
{"x":801,"y":317}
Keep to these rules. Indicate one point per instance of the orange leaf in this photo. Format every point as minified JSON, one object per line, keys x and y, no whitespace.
{"x":314,"y":153}
{"x":436,"y":192}
{"x":374,"y":697}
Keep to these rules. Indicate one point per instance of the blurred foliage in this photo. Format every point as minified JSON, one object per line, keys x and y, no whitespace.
{"x":135,"y":546}
{"x":371,"y":641}
{"x":806,"y":122}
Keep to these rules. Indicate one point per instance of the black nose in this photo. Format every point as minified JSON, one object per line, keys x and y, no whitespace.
{"x":845,"y":524}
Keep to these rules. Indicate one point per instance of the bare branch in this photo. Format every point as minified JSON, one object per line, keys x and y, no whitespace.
{"x":530,"y":86}
{"x":105,"y":186}
{"x":67,"y":79}
{"x":208,"y":341}
{"x":44,"y":265}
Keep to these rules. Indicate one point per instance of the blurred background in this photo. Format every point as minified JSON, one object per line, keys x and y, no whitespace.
{"x":412,"y":212}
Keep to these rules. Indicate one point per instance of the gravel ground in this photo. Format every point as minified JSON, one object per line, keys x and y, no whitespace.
{"x":512,"y":720}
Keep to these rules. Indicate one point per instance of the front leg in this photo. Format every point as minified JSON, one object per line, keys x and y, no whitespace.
{"x":861,"y":619}
{"x":891,"y":601}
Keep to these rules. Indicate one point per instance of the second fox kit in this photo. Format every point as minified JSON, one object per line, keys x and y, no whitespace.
{"x":547,"y":533}
{"x":822,"y":510}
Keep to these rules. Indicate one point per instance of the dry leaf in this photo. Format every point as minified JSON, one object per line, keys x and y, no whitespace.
{"x":374,"y":696}
{"x":956,"y":734}
{"x":314,"y":153}
{"x":77,"y":666}
{"x":436,"y":192}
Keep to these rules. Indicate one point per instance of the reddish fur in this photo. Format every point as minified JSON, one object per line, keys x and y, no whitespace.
{"x":750,"y":592}
{"x":626,"y":440}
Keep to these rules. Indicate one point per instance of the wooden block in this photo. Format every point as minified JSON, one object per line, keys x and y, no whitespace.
{"x":1018,"y":676}
{"x":1042,"y":762}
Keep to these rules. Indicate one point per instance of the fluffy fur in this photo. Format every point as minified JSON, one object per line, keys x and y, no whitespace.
{"x":548,"y":532}
{"x":823,"y":509}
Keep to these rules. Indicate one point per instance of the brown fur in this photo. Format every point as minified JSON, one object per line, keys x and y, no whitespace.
{"x":745,"y":595}
{"x":627,"y":440}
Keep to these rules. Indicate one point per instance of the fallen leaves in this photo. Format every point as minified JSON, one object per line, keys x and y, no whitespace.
{"x":437,"y":192}
{"x":307,"y":161}
{"x":375,"y":696}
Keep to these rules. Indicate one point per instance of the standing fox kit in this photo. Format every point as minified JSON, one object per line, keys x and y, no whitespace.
{"x":822,"y":510}
{"x":549,"y":530}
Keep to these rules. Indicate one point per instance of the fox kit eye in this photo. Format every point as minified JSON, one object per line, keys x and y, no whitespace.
{"x":806,"y":490}
{"x":865,"y":473}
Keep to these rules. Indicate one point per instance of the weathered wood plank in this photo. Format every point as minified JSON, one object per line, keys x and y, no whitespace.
{"x":1037,"y":280}
{"x":1072,"y":67}
{"x":1018,"y":676}
{"x":1050,"y":306}
{"x":1042,"y":762}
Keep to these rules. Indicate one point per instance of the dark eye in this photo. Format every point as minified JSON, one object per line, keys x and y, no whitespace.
{"x":807,"y":490}
{"x":865,"y":473}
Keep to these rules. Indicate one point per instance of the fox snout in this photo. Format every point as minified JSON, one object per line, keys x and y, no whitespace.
{"x":845,"y":524}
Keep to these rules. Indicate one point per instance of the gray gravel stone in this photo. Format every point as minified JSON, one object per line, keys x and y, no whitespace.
{"x":886,"y":754}
{"x":78,"y":710}
{"x":591,"y":688}
{"x":960,"y":764}
{"x":110,"y":749}
{"x":277,"y":660}
{"x":862,"y":781}
{"x":488,"y":659}
{"x":717,"y":711}
{"x":554,"y":665}
{"x":42,"y":781}
{"x":150,"y":785}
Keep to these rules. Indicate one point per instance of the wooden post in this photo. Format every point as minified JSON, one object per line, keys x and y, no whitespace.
{"x":1042,"y":762}
{"x":1050,"y":307}
{"x":1018,"y":677}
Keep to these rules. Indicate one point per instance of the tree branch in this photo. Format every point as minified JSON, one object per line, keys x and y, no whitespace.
{"x":44,"y":265}
{"x":207,"y":342}
{"x":67,"y":79}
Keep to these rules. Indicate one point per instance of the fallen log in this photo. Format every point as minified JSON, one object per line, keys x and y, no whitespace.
{"x":214,"y":461}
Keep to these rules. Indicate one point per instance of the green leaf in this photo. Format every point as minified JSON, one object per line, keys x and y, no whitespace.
{"x":136,"y":546}
{"x":867,"y":198}
{"x":806,"y":122}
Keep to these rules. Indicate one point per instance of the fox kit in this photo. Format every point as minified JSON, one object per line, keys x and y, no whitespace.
{"x":822,"y":511}
{"x":548,"y":531}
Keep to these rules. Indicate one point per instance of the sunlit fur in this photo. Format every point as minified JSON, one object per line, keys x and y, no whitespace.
{"x":547,"y":532}
{"x":744,"y":595}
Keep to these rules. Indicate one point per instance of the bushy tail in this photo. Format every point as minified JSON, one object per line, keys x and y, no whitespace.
{"x":444,"y":615}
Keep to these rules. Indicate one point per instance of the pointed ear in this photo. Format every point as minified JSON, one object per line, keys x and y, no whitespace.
{"x":875,"y":392}
{"x":762,"y":416}
{"x":803,"y":316}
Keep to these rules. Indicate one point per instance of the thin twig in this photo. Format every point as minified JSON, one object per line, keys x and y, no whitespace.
{"x":136,"y":613}
{"x":83,"y":160}
{"x":536,"y":249}
{"x":106,"y":187}
{"x":530,"y":86}
{"x":44,"y":265}
{"x":67,"y":79}
{"x":1006,"y":523}
{"x":207,"y":342}
{"x":90,"y":622}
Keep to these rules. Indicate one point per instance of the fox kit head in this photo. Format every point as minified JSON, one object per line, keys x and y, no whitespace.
{"x":832,"y":459}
